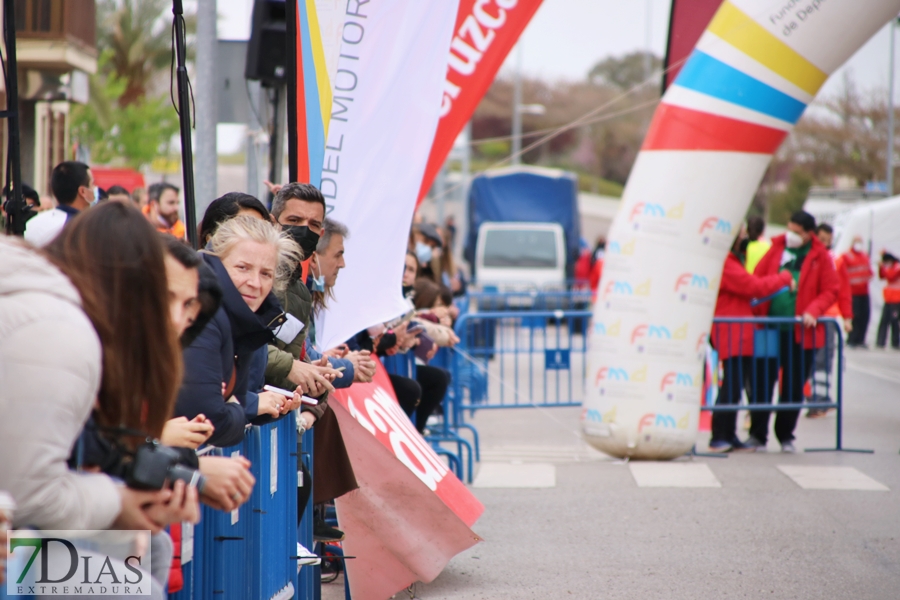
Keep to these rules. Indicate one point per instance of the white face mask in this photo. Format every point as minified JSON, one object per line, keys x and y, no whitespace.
{"x":858,"y":247}
{"x":792,"y":239}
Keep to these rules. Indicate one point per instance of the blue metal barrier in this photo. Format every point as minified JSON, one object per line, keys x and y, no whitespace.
{"x":252,"y":552}
{"x":575,"y":299}
{"x":405,"y":366}
{"x":759,"y":352}
{"x":504,"y":361}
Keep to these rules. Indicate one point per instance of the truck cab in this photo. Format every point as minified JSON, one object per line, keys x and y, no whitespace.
{"x":521,"y":256}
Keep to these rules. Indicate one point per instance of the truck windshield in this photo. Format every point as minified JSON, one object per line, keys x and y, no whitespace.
{"x":520,"y":248}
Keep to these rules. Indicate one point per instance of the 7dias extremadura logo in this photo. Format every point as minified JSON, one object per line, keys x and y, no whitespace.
{"x":78,"y":563}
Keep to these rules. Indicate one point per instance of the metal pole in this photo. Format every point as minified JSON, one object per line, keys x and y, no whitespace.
{"x":890,"y":146}
{"x":255,"y":143}
{"x":207,"y":155}
{"x":15,"y":209}
{"x":517,"y":109}
{"x":184,"y":117}
{"x":276,"y":139}
{"x":647,"y":41}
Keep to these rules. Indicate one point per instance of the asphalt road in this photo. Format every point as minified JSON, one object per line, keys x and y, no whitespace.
{"x":596,"y":534}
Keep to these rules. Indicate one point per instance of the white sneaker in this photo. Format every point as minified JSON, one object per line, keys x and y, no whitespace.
{"x":306,"y":557}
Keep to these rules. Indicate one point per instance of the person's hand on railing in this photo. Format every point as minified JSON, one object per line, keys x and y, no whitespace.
{"x":183,"y":505}
{"x":229,"y":482}
{"x":312,"y":379}
{"x":133,"y":515}
{"x":337,"y":352}
{"x":363,"y":366}
{"x":307,"y":420}
{"x":181,"y":433}
{"x":271,"y":404}
{"x":809,"y":320}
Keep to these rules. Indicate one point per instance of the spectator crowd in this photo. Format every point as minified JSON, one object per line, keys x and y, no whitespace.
{"x":118,"y":340}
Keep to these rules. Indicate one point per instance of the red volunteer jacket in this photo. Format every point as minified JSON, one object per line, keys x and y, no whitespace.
{"x":817,"y":291}
{"x":892,"y":276}
{"x":844,"y":305}
{"x":859,"y":269}
{"x":737,"y":289}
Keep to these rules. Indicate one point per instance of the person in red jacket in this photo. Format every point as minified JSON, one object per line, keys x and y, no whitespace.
{"x":807,"y":259}
{"x":889,"y":270}
{"x":859,"y":270}
{"x":734,"y":341}
{"x":824,"y":359}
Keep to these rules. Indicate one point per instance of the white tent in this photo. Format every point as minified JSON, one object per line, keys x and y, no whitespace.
{"x":878,"y":224}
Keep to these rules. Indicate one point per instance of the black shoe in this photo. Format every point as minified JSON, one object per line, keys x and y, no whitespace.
{"x":323,"y":532}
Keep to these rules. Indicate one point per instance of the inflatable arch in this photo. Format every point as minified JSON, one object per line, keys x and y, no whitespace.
{"x":751,"y":75}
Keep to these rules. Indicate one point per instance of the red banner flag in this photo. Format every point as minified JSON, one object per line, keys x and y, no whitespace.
{"x":688,"y":21}
{"x":485,"y":32}
{"x":411,"y":514}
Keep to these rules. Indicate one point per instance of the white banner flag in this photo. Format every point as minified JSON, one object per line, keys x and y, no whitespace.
{"x":387,"y":99}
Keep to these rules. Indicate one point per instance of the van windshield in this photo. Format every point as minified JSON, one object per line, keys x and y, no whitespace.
{"x":520,"y":248}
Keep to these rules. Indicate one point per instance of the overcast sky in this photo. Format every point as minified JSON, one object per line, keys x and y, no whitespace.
{"x":566,"y":37}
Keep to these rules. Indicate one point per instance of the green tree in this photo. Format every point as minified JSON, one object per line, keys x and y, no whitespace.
{"x":783,"y":204}
{"x":624,"y":72}
{"x":139,"y":38}
{"x":133,"y":134}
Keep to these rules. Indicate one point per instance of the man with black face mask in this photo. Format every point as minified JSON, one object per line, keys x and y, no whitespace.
{"x":300,"y":210}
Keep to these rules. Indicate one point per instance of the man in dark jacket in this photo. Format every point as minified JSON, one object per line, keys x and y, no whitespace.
{"x":806,"y":258}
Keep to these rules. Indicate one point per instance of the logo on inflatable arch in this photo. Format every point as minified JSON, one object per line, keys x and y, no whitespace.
{"x":696,"y":288}
{"x":674,"y":378}
{"x":716,"y":232}
{"x":663,"y":421}
{"x":595,"y":416}
{"x":624,"y":249}
{"x":610,"y":374}
{"x":650,"y":332}
{"x":624,"y":288}
{"x":650,"y":209}
{"x":716,"y":224}
{"x":611,"y":330}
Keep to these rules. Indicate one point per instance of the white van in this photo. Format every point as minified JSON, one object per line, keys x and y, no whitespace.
{"x":520,"y":256}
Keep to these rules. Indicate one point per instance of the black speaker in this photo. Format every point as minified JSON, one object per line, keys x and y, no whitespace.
{"x":267,"y":50}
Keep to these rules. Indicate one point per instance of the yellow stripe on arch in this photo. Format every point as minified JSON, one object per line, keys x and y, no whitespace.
{"x":739,"y":30}
{"x":318,"y":52}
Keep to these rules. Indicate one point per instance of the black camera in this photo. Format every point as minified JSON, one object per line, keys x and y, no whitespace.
{"x":155,"y":465}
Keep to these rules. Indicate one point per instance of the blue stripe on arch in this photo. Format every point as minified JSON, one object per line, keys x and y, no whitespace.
{"x":707,"y":75}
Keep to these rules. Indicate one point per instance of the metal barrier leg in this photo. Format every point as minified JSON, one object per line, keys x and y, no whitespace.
{"x":839,"y":443}
{"x":309,"y":587}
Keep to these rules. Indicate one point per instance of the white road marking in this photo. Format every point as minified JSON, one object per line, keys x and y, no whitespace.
{"x":831,"y":478}
{"x":879,"y":373}
{"x":672,"y":474}
{"x":511,"y":475}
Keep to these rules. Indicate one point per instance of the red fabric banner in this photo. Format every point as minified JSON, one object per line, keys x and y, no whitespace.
{"x":678,"y":128}
{"x":411,"y":514}
{"x":486,"y":30}
{"x":688,"y":21}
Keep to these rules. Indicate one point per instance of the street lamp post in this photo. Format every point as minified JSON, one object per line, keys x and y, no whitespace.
{"x":517,"y":109}
{"x":890,"y":143}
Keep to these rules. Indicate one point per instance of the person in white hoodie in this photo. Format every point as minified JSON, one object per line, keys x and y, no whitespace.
{"x":63,"y":354}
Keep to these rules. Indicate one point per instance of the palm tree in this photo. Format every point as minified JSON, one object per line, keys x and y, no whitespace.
{"x":138,"y":35}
